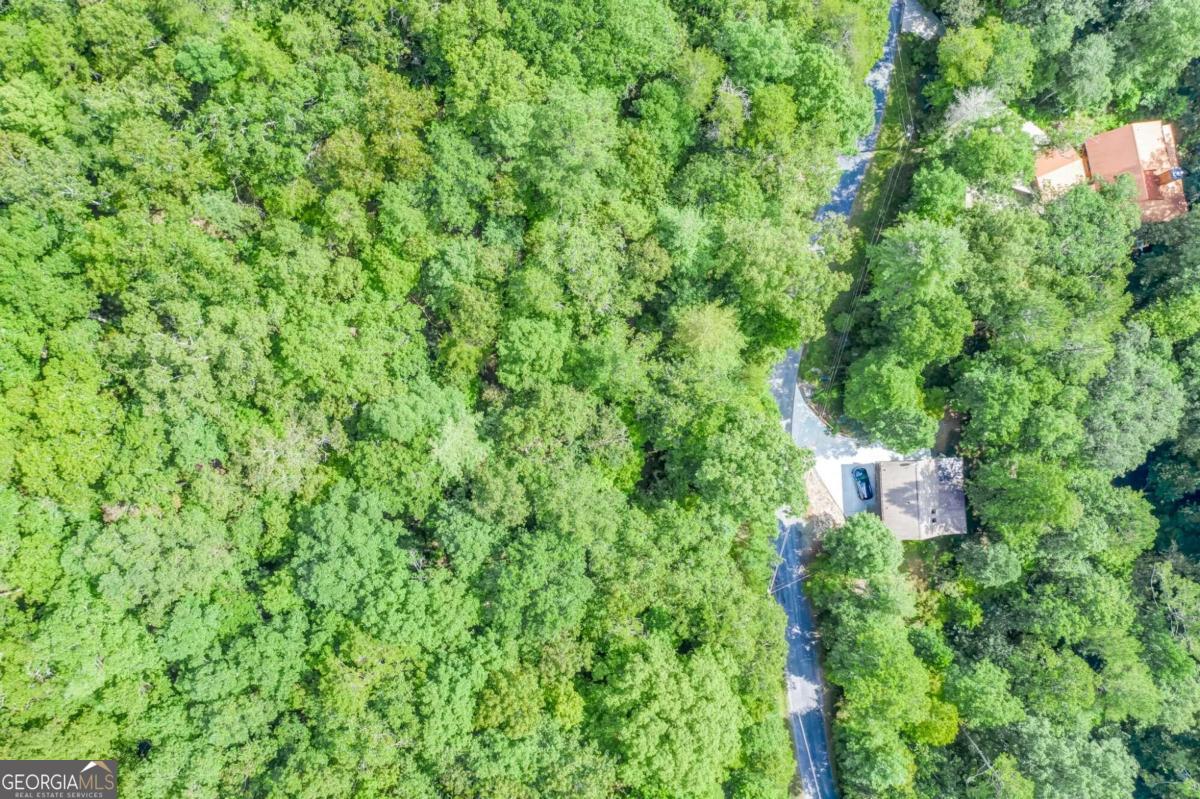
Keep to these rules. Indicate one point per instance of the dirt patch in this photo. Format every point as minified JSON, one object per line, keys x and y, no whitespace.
{"x":823,"y":511}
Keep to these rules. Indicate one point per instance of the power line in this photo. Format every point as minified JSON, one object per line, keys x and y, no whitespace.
{"x":889,"y":192}
{"x":907,"y":119}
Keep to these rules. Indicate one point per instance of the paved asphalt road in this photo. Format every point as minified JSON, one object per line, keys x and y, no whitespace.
{"x":805,"y":682}
{"x":835,"y":455}
{"x":854,"y":167}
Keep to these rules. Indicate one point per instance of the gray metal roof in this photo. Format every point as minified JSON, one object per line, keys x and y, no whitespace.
{"x":923,"y":498}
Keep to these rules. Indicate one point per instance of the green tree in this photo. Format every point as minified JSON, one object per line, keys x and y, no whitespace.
{"x":980,"y":691}
{"x":887,"y":398}
{"x":1086,"y":81}
{"x":1136,"y":405}
{"x":1022,"y":496}
{"x":531,"y":353}
{"x":938,"y":194}
{"x":672,"y":722}
{"x":707,"y":338}
{"x":964,"y":55}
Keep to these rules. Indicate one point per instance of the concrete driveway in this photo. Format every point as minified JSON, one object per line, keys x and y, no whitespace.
{"x":829,"y":483}
{"x":836,"y":455}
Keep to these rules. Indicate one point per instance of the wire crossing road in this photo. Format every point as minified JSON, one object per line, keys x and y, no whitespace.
{"x":805,"y":684}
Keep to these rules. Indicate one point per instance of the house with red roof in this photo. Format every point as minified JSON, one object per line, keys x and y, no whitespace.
{"x":1143,"y":150}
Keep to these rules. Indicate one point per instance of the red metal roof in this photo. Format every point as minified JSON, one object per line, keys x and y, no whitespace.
{"x":1143,"y":150}
{"x":1146,"y":152}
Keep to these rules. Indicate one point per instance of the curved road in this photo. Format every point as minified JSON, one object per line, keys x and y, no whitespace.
{"x":805,"y":682}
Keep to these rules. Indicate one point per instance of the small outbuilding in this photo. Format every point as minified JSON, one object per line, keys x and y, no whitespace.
{"x":922,"y":499}
{"x":1143,"y":150}
{"x":1059,"y":170}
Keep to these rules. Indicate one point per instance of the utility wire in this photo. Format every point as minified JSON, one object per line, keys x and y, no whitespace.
{"x":907,"y":119}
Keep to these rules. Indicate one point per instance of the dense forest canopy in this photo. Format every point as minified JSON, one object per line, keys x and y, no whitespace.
{"x":1053,"y":653}
{"x":383,"y":399}
{"x":383,"y":387}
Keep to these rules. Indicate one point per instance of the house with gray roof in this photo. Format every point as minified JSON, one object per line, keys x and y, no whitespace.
{"x":921,"y":499}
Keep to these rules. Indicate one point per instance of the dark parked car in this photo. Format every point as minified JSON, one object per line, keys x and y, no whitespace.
{"x":862,"y":484}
